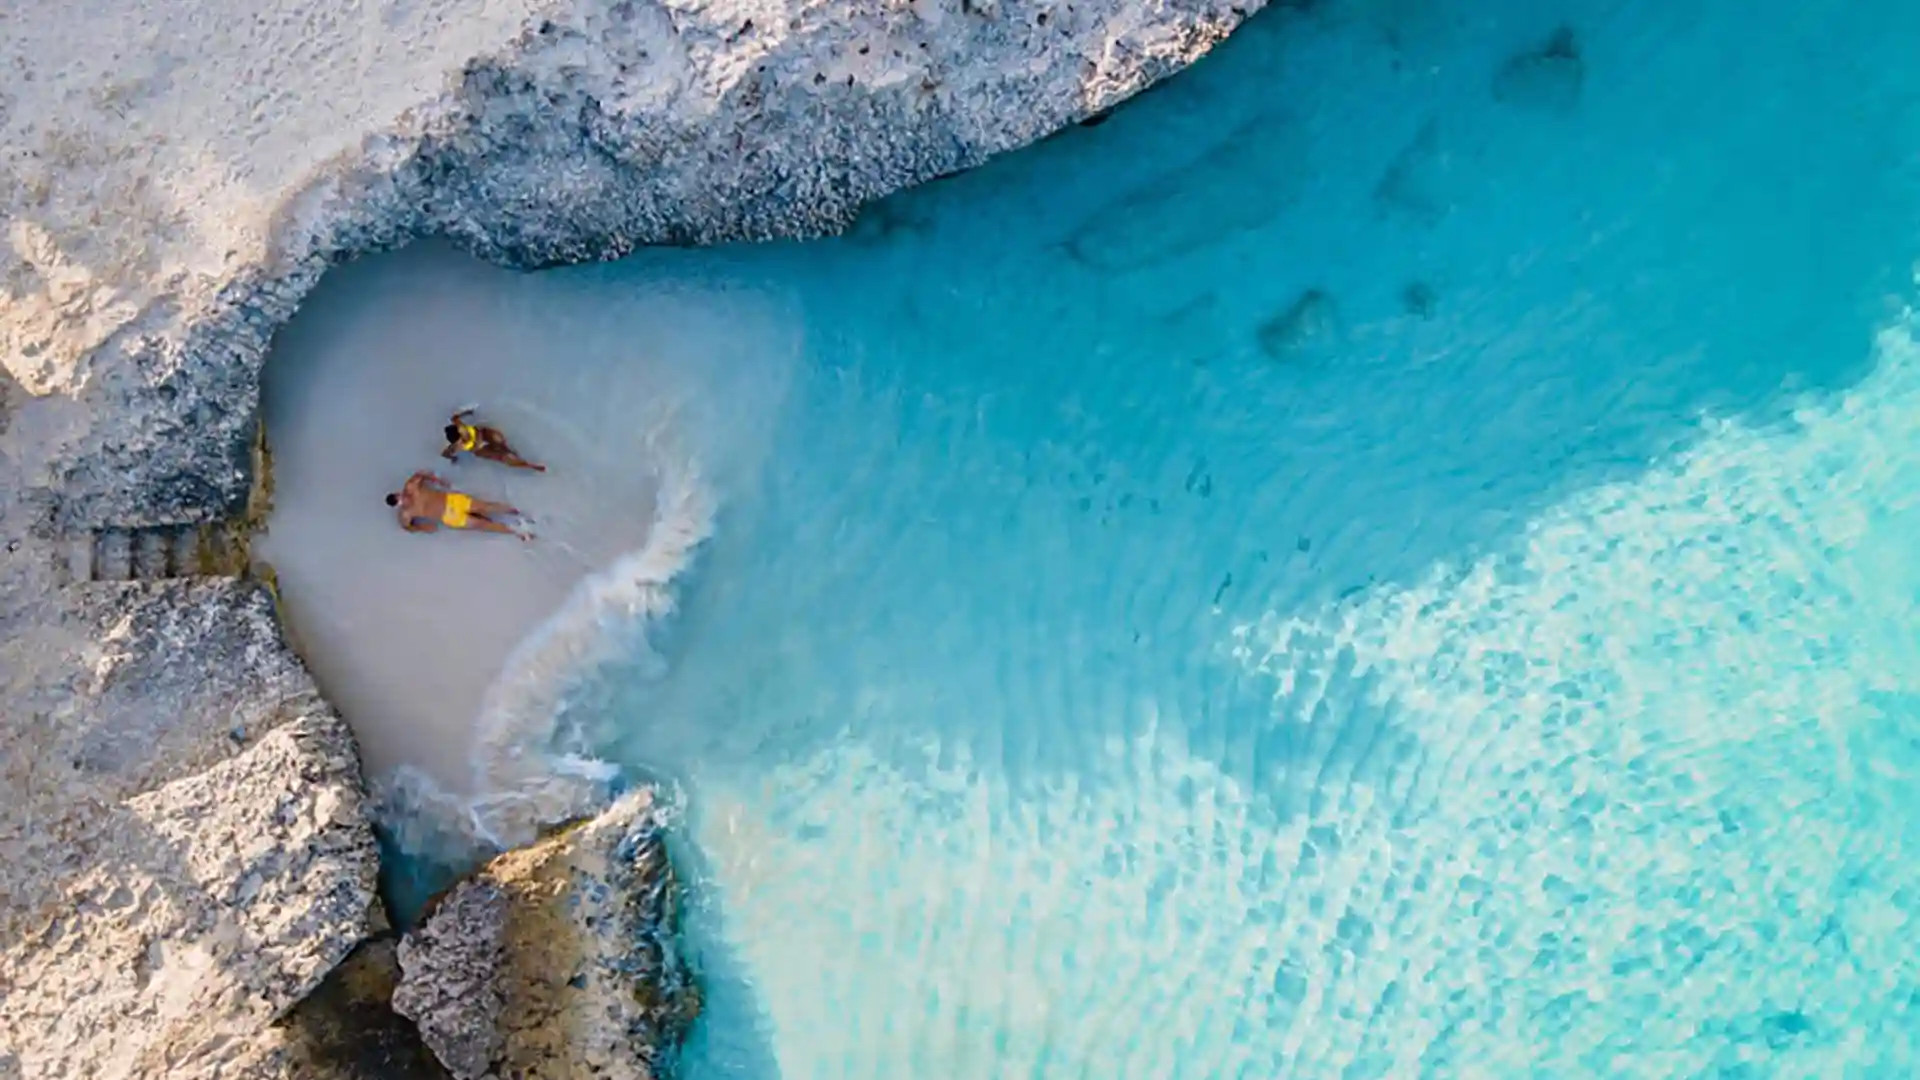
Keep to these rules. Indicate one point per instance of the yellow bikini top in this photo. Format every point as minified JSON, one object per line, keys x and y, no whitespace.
{"x":469,"y":437}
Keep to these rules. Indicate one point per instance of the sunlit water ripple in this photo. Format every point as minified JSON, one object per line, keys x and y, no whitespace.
{"x":1393,"y":556}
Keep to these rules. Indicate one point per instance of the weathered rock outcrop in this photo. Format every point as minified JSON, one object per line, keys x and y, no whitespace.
{"x":174,"y":188}
{"x":183,"y":850}
{"x":184,"y":854}
{"x":345,"y":1030}
{"x":556,"y":960}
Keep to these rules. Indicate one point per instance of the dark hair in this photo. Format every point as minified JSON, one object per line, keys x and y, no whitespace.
{"x":453,"y":433}
{"x":393,"y":499}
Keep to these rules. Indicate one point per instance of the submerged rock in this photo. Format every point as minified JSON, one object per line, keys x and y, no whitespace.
{"x":1548,"y":78}
{"x":1310,"y":322}
{"x":1206,"y":203}
{"x":1416,"y":183}
{"x":556,"y":960}
{"x":1419,"y":299}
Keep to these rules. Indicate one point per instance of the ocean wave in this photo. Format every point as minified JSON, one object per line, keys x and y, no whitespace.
{"x":532,"y":765}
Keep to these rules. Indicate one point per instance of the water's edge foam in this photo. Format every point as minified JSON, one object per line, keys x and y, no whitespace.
{"x":531,"y":769}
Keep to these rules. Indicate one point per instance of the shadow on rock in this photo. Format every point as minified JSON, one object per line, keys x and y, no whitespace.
{"x":347,"y":1029}
{"x":556,"y":960}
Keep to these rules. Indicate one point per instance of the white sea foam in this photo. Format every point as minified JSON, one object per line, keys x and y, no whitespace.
{"x":528,"y":771}
{"x":453,"y":655}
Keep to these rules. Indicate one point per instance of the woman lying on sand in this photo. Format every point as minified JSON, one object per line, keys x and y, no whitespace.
{"x":482,"y":441}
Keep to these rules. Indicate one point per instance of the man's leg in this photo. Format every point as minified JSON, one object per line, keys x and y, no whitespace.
{"x":478,"y":520}
{"x":490,"y":509}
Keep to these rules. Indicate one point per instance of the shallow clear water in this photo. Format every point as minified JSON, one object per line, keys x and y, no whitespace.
{"x":1107,"y":663}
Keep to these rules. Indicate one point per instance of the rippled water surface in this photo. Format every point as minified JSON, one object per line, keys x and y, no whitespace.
{"x":1395,"y":555}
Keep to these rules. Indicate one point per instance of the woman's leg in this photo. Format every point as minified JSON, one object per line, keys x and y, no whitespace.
{"x":503,"y":454}
{"x":493,"y":444}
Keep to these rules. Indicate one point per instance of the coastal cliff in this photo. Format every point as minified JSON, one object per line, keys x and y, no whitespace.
{"x":186,"y":863}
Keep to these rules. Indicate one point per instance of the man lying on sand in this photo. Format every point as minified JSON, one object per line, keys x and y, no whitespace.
{"x":427,"y":502}
{"x":483,"y":441}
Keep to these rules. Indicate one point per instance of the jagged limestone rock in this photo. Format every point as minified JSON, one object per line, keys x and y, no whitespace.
{"x":184,"y":850}
{"x":556,"y":960}
{"x":458,"y":992}
{"x":344,"y":1030}
{"x":117,"y":691}
{"x":176,"y":177}
{"x":211,"y":906}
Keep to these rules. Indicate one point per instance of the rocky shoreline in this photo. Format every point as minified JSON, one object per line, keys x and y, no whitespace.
{"x":187,"y":870}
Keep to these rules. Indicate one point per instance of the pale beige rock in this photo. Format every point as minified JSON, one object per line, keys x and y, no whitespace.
{"x":556,"y":960}
{"x":458,"y":991}
{"x":149,"y":147}
{"x":116,"y":691}
{"x":175,"y":177}
{"x":184,"y":854}
{"x":215,"y":903}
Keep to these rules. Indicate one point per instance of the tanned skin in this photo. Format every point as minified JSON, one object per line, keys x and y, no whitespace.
{"x":489,"y":443}
{"x":422,"y":505}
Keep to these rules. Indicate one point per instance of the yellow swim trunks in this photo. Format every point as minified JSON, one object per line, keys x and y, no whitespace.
{"x":455,"y":515}
{"x":469,"y":437}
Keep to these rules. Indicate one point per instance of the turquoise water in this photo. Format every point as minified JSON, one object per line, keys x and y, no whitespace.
{"x":1395,"y":555}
